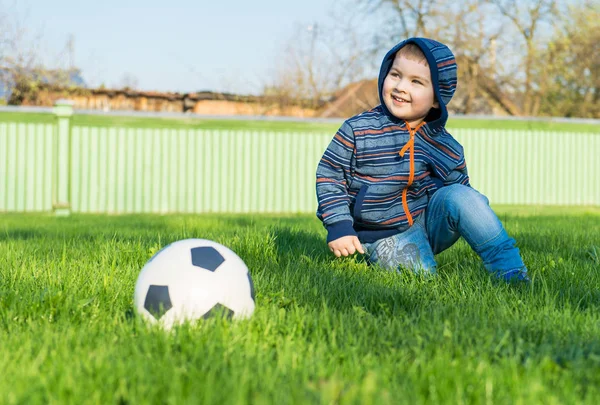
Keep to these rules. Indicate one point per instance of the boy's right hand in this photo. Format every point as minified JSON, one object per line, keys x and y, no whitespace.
{"x":346,"y":246}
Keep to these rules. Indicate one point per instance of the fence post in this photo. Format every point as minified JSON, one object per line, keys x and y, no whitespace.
{"x":61,"y":187}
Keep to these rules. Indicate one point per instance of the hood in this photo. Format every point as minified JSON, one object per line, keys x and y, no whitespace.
{"x":442,"y":65}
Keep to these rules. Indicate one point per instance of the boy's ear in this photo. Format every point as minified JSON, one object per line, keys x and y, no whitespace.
{"x":436,"y":103}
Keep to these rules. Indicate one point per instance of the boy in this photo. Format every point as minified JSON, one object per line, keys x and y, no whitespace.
{"x":393,"y":183}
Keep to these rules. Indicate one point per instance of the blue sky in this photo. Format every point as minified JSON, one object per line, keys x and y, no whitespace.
{"x":185,"y":45}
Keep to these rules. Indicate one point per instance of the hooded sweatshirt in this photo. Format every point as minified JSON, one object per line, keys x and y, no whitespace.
{"x":377,"y":175}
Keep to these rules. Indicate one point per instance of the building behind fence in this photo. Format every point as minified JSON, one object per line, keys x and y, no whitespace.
{"x":68,"y":168}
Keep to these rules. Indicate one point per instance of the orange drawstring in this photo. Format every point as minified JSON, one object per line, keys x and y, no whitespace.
{"x":410,"y":145}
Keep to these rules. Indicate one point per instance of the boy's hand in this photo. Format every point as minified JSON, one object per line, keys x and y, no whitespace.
{"x":345,"y":246}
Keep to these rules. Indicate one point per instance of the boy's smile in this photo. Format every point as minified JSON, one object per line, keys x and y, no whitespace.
{"x":407,"y":90}
{"x":399,"y":100}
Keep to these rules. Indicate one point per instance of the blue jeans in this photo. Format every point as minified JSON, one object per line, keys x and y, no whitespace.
{"x":452,"y":212}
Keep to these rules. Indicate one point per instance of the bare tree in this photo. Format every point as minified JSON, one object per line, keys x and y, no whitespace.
{"x":473,"y":41}
{"x":399,"y":19}
{"x":528,"y":18}
{"x":469,"y":27}
{"x":497,"y":44}
{"x":512,"y":54}
{"x":18,"y":51}
{"x":22,"y":69}
{"x":571,"y":68}
{"x":319,"y":60}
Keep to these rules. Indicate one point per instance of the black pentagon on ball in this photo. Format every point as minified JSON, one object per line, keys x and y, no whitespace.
{"x":218,"y":311}
{"x":206,"y":257}
{"x":158,"y":301}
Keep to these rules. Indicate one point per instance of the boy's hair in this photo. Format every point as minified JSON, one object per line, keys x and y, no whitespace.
{"x":413,"y":52}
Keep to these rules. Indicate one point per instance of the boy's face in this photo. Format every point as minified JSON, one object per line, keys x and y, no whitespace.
{"x":408,"y":91}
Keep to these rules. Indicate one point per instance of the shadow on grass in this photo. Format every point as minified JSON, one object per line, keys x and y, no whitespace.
{"x":307,"y":263}
{"x":568,"y":236}
{"x":312,"y":278}
{"x":22,"y":234}
{"x":78,"y":227}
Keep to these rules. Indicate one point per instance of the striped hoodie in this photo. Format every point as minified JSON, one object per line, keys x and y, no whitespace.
{"x":377,"y":175}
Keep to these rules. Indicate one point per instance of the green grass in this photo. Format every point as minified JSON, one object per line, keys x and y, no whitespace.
{"x":541,"y":125}
{"x":151,"y":122}
{"x":272,"y":125}
{"x":325,"y":330}
{"x":33,"y":118}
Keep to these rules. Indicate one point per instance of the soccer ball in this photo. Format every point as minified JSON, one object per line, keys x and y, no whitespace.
{"x":193,"y":279}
